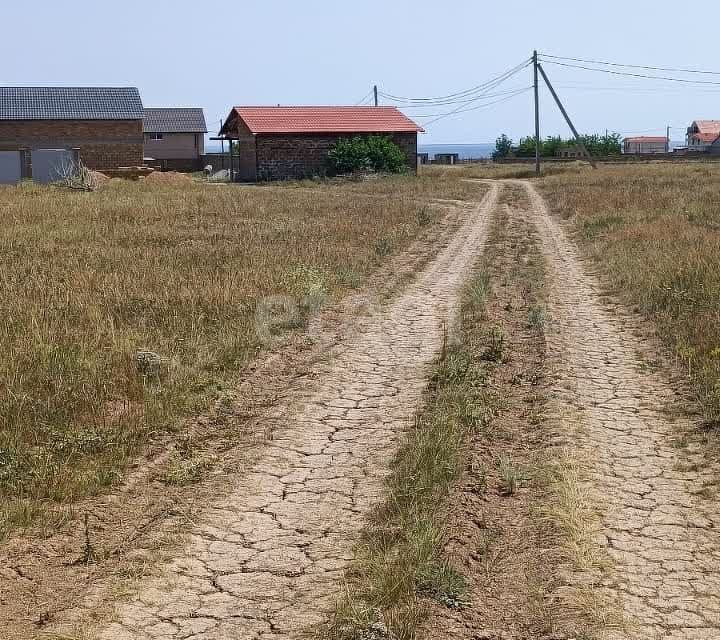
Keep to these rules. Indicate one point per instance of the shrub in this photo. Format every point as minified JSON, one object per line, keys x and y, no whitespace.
{"x":371,"y":153}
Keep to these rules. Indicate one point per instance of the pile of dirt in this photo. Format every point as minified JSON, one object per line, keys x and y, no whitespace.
{"x":99,"y":178}
{"x":168,"y":177}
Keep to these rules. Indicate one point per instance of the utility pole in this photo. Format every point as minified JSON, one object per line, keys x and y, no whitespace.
{"x":565,"y":115}
{"x":537,"y":114}
{"x":375,"y":94}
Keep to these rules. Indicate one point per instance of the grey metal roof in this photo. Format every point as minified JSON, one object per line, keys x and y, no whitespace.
{"x":70,"y":103}
{"x":174,"y":120}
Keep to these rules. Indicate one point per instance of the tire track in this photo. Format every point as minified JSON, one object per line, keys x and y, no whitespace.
{"x":267,"y":561}
{"x":655,"y":525}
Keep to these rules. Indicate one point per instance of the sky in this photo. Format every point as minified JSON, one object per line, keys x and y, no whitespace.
{"x":219,"y":54}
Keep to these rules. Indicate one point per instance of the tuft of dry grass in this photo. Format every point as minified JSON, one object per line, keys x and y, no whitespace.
{"x":654,"y":230}
{"x":177,"y":272}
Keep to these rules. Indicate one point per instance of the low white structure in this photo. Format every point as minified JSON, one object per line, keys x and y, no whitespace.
{"x":646,"y":144}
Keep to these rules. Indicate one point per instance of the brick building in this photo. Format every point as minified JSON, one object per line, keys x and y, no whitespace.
{"x":103,"y":125}
{"x":174,"y":138}
{"x":277,"y":143}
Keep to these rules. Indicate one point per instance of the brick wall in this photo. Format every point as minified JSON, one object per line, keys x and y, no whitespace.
{"x":282,"y":157}
{"x":103,"y":144}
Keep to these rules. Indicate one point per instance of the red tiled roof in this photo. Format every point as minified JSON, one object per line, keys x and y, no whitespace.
{"x":325,"y":120}
{"x":708,"y":126}
{"x":646,"y":139}
{"x":705,"y":137}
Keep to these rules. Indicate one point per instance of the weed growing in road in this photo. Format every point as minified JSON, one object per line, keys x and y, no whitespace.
{"x":536,"y":318}
{"x":496,"y":345}
{"x":425,"y":216}
{"x":384,"y":246}
{"x":512,"y":477}
{"x":479,"y":289}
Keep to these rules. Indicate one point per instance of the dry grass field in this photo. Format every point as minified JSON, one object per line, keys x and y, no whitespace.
{"x":654,"y":229}
{"x":90,"y":279}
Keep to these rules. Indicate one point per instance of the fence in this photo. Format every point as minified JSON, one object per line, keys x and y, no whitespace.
{"x":218,"y":161}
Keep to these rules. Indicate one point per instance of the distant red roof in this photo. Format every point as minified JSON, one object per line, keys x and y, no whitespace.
{"x":708,"y":126}
{"x":324,"y":120}
{"x":646,"y":139}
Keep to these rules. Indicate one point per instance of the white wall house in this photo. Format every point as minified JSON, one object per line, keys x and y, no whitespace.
{"x":645,"y":144}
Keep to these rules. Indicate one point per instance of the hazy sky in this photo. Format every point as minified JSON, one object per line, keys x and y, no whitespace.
{"x":217,"y":54}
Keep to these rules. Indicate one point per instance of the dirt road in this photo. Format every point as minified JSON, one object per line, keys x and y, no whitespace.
{"x":267,"y":561}
{"x":657,"y":526}
{"x":632,"y":535}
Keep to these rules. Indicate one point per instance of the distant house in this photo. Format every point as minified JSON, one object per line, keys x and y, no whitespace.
{"x":277,"y":143}
{"x":103,"y":126}
{"x":646,"y":144}
{"x":174,"y":138}
{"x":701,"y":134}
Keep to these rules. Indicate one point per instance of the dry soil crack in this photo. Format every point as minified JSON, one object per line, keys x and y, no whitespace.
{"x":266,"y":561}
{"x":656,"y":526}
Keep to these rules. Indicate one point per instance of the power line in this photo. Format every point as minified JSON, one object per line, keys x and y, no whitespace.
{"x":632,"y":66}
{"x":645,"y":88}
{"x":364,"y":99}
{"x":484,"y":95}
{"x":482,"y":106}
{"x":460,"y":95}
{"x":633,"y":75}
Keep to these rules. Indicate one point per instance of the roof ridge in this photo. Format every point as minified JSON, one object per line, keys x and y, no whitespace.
{"x":42,"y":86}
{"x":178,"y":108}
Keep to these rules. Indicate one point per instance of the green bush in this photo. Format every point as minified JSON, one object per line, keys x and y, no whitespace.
{"x":370,"y":153}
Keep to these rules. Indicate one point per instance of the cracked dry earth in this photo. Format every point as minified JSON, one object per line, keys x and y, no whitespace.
{"x":267,"y":562}
{"x":658,"y":529}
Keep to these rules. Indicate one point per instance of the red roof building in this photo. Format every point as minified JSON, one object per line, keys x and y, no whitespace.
{"x":702,"y":133}
{"x":276,"y":143}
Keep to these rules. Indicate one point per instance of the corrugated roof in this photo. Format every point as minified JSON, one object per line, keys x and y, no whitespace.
{"x":325,"y":120}
{"x":70,"y":103}
{"x":708,"y":126}
{"x":646,"y":139}
{"x":174,"y":120}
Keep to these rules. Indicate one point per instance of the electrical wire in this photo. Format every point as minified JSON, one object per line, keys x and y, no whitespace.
{"x":632,"y":66}
{"x":460,"y":95}
{"x":482,"y":106}
{"x":484,"y":95}
{"x":633,"y":75}
{"x":364,"y":99}
{"x":464,"y":101}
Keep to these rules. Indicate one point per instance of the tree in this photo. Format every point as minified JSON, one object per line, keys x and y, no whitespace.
{"x":503,"y":147}
{"x":597,"y":145}
{"x":370,"y":153}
